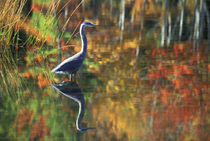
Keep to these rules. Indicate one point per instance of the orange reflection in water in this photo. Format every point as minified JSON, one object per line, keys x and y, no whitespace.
{"x":168,"y":102}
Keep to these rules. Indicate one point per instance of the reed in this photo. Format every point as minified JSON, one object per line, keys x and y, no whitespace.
{"x":10,"y":11}
{"x":10,"y":20}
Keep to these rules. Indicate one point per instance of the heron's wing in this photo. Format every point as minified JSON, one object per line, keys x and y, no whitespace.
{"x":69,"y":65}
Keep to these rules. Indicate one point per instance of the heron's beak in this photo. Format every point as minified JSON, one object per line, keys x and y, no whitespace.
{"x":92,"y":25}
{"x":95,"y":24}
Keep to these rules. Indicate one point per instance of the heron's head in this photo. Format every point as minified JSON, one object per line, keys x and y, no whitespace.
{"x":88,"y":24}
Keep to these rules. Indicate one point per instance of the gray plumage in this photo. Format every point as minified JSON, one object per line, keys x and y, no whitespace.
{"x":72,"y":64}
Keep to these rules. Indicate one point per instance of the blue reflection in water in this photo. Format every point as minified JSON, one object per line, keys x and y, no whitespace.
{"x":74,"y":92}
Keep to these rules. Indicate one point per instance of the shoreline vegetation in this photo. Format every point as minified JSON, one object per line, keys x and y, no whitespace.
{"x":19,"y":31}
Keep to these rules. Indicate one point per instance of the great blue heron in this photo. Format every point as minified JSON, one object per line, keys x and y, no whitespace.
{"x":72,"y":64}
{"x":73,"y":91}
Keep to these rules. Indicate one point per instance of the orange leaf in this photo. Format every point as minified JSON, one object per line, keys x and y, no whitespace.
{"x":38,"y":58}
{"x":42,"y":82}
{"x":26,"y":75}
{"x":181,"y":47}
{"x":34,"y":7}
{"x":186,"y":70}
{"x":160,"y":66}
{"x":49,"y":38}
{"x":186,"y":92}
{"x":196,"y":91}
{"x":63,"y":58}
{"x":164,"y":95}
{"x":208,"y":67}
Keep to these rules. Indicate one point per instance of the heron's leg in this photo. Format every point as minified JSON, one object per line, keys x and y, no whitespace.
{"x":70,"y":77}
{"x":75,"y":76}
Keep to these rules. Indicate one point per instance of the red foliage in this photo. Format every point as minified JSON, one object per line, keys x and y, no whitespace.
{"x":178,"y":48}
{"x":165,"y":93}
{"x":181,"y":70}
{"x":23,"y":118}
{"x":40,"y":129}
{"x":183,"y":89}
{"x":160,"y":51}
{"x":35,"y":7}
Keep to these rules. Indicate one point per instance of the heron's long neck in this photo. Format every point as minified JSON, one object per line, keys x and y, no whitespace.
{"x":83,"y":39}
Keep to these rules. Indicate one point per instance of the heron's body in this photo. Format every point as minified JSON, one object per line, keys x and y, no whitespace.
{"x":72,"y":64}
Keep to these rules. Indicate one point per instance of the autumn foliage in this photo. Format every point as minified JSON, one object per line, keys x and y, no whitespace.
{"x":40,"y":129}
{"x":22,"y":119}
{"x":134,"y":89}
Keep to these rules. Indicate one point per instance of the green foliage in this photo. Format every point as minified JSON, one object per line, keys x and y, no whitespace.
{"x":46,"y":25}
{"x":89,"y":62}
{"x":42,"y":1}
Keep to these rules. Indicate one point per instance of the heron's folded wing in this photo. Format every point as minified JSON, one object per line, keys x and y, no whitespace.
{"x":70,"y":65}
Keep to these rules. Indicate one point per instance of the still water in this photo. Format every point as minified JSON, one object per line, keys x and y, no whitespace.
{"x":145,"y":76}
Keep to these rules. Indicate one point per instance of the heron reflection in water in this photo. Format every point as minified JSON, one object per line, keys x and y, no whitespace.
{"x":73,"y":91}
{"x":72,"y":64}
